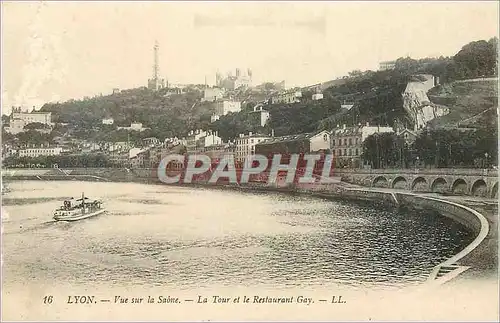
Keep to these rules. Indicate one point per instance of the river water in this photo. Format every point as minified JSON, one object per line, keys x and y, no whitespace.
{"x":156,"y":235}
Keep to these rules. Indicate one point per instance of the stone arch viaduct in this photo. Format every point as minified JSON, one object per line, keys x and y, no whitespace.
{"x":475,"y":182}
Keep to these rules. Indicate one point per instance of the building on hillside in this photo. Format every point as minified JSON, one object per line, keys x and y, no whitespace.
{"x":108,"y":121}
{"x":291,"y":96}
{"x":18,"y":119}
{"x":245,"y":145}
{"x":192,"y":139}
{"x":295,"y":144}
{"x":408,"y":135}
{"x":231,"y":82}
{"x":134,"y":126}
{"x":197,"y":140}
{"x":262,"y":114}
{"x":137,"y":126}
{"x":212,"y":94}
{"x":319,"y":141}
{"x":41,"y":151}
{"x":347,"y":105}
{"x":151,"y":141}
{"x":156,"y":82}
{"x":220,"y":151}
{"x":347,"y":143}
{"x":317,"y":96}
{"x":223,"y":107}
{"x":387,"y":65}
{"x":214,"y":118}
{"x":210,"y":139}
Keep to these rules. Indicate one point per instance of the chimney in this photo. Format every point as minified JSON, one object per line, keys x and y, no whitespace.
{"x":367,"y":124}
{"x":272,"y":132}
{"x":338,"y":126}
{"x":250,"y":133}
{"x":344,"y":126}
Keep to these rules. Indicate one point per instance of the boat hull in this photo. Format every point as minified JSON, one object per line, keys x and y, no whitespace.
{"x":77,"y":217}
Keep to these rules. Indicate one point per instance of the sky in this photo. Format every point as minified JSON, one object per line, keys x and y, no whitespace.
{"x":55,"y":51}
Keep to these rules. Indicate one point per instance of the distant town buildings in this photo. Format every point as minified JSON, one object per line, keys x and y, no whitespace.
{"x":231,"y":82}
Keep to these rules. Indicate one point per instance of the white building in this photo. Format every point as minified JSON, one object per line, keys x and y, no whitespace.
{"x":19,"y":119}
{"x":320,"y":141}
{"x":43,"y":151}
{"x":212,"y":94}
{"x":347,"y":143}
{"x":245,"y":145}
{"x":263,"y":114}
{"x":286,"y":97}
{"x":108,"y":121}
{"x":317,"y":96}
{"x":223,"y":107}
{"x":137,"y":126}
{"x":210,"y":139}
{"x":387,"y":65}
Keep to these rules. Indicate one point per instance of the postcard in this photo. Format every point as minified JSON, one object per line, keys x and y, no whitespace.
{"x":249,"y":161}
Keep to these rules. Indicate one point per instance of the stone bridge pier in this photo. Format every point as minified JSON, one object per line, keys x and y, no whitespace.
{"x":475,"y":182}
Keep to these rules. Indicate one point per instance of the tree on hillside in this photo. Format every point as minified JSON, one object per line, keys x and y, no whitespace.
{"x":477,"y":59}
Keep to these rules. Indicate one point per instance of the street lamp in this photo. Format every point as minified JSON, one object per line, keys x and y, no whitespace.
{"x":416,"y":164}
{"x":486,"y":156}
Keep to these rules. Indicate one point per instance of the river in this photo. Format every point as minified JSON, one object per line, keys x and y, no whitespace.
{"x":157,"y":235}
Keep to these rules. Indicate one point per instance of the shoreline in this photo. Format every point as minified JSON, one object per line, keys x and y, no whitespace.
{"x":478,"y":258}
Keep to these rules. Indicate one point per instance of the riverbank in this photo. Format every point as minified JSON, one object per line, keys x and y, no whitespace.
{"x":480,"y":215}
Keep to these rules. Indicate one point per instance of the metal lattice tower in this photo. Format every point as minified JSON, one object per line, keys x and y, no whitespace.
{"x":156,"y":66}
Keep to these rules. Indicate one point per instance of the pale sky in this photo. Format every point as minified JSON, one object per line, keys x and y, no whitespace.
{"x":53,"y":51}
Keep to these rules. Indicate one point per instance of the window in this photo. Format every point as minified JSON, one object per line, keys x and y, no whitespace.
{"x":345,"y":141}
{"x":350,"y":141}
{"x":357,"y":152}
{"x":333,"y":142}
{"x":325,"y":137}
{"x":345,"y":152}
{"x":350,"y":152}
{"x":357,"y":141}
{"x":340,"y":152}
{"x":251,"y":141}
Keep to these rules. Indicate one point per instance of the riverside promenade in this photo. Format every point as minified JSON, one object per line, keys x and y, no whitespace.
{"x":478,"y":213}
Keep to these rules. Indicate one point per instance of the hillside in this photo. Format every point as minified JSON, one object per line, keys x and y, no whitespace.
{"x":167,"y":115}
{"x":472,"y":103}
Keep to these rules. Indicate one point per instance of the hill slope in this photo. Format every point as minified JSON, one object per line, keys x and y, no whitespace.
{"x":472,"y":103}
